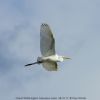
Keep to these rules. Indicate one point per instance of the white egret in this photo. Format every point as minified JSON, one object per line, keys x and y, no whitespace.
{"x":49,"y":57}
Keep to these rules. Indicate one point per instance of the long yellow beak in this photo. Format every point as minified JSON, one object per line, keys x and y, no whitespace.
{"x":66,"y":58}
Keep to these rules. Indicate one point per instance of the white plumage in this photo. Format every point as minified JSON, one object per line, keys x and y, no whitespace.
{"x":47,"y":42}
{"x":49,"y":57}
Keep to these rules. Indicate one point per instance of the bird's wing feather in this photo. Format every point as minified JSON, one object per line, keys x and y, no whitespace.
{"x":50,"y":66}
{"x":47,"y":42}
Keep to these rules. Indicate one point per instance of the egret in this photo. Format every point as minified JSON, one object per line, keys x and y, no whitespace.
{"x":49,"y":57}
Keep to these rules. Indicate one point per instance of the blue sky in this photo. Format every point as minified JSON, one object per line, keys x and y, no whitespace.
{"x":75,"y":24}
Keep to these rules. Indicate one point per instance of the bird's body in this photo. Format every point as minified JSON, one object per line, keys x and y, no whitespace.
{"x":49,"y":57}
{"x":54,"y":58}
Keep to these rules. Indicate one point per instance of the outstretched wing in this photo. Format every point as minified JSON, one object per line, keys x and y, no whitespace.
{"x":47,"y":42}
{"x":50,"y":66}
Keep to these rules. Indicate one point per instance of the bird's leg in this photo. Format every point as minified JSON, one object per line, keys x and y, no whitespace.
{"x":38,"y":62}
{"x":31,"y":64}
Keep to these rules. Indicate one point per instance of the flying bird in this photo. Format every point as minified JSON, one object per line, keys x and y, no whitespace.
{"x":49,"y":57}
